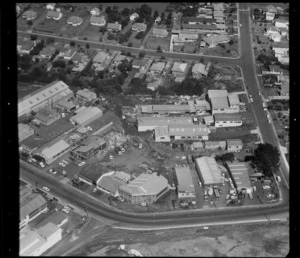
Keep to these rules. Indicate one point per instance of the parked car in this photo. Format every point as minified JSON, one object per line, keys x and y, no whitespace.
{"x":67,"y":208}
{"x":278,"y":178}
{"x":269,"y":196}
{"x":81,"y":163}
{"x":65,"y":162}
{"x":254,"y":188}
{"x":264,"y":106}
{"x":94,"y":190}
{"x":265,"y":187}
{"x":143,"y":204}
{"x":111,"y":157}
{"x":135,"y":145}
{"x":250,"y":195}
{"x":51,"y":170}
{"x":42,"y":164}
{"x":118,"y":151}
{"x":46,"y":188}
{"x":122,"y":149}
{"x":250,"y":98}
{"x":140,"y":145}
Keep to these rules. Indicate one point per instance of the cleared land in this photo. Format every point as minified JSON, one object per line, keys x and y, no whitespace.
{"x":154,"y":42}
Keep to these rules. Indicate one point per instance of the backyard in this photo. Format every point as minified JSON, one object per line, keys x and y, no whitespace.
{"x":154,"y":42}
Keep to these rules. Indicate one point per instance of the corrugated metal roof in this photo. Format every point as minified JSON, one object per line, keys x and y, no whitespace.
{"x":185,"y":180}
{"x":174,"y":108}
{"x":163,"y":121}
{"x":219,"y":102}
{"x":41,"y":95}
{"x":233,"y":99}
{"x":145,"y":184}
{"x":188,"y":130}
{"x":217,"y":93}
{"x":228,"y":117}
{"x":30,"y":204}
{"x":240,"y":174}
{"x":56,"y":148}
{"x":86,"y":114}
{"x":209,"y":170}
{"x":161,"y":131}
{"x":234,"y":142}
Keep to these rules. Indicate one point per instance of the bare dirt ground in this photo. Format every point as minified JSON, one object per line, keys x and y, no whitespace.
{"x":270,"y":240}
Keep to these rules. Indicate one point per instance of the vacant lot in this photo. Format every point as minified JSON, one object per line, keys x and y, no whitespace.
{"x":154,"y":42}
{"x":50,"y":25}
{"x":91,"y":33}
{"x":256,"y":240}
{"x":225,"y":49}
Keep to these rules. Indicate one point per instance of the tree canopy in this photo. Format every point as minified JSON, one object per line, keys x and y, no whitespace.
{"x":266,"y":158}
{"x":190,"y":86}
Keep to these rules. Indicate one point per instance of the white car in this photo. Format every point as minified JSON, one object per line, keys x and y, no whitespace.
{"x":250,"y":98}
{"x":94,"y":190}
{"x":143,"y":204}
{"x":42,"y":164}
{"x":46,"y":188}
{"x":65,"y":162}
{"x":266,"y":187}
{"x":111,"y":157}
{"x":278,"y":178}
{"x":254,"y":188}
{"x":81,"y":164}
{"x":65,"y":211}
{"x":67,"y":208}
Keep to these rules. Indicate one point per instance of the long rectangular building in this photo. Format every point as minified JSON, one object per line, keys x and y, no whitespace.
{"x":185,"y":185}
{"x":44,"y":97}
{"x":208,"y":171}
{"x":146,"y":188}
{"x":55,"y":151}
{"x":240,"y":176}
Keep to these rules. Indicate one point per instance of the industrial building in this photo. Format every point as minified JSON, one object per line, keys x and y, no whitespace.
{"x":86,"y":116}
{"x":146,"y":188}
{"x":31,"y":206}
{"x":58,"y":218}
{"x":167,"y":109}
{"x":215,"y":145}
{"x":222,"y":102}
{"x":150,"y":123}
{"x":234,"y":145}
{"x":55,"y":151}
{"x":239,"y":174}
{"x":65,"y":106}
{"x":47,"y":116}
{"x":90,"y":176}
{"x":228,"y":120}
{"x":208,"y":171}
{"x":184,"y":183}
{"x":89,"y":147}
{"x":24,"y":131}
{"x":111,"y":182}
{"x":46,"y":96}
{"x":36,"y":242}
{"x":85,"y":96}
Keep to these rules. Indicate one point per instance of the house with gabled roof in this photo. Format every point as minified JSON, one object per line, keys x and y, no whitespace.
{"x":97,"y":20}
{"x":139,"y":27}
{"x":114,"y":26}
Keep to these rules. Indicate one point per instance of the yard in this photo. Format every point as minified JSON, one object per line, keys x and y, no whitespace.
{"x":225,"y":49}
{"x":22,"y":23}
{"x":50,"y":25}
{"x":91,"y":33}
{"x":154,"y":42}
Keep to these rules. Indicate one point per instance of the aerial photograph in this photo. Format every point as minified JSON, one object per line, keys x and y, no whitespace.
{"x":153,"y":129}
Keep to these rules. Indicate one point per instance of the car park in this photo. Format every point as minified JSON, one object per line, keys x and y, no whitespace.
{"x":46,"y":188}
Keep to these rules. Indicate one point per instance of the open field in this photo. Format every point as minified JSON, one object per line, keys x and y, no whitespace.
{"x":238,"y":240}
{"x":154,"y":42}
{"x":50,"y":25}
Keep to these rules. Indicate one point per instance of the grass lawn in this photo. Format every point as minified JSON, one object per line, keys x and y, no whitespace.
{"x":50,"y":25}
{"x":191,"y":47}
{"x":226,"y":51}
{"x":154,"y":42}
{"x":22,"y":23}
{"x":91,"y":32}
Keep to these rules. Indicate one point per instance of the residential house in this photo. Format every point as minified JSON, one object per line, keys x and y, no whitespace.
{"x":138,"y":27}
{"x":228,"y":120}
{"x":85,"y":96}
{"x":54,"y":15}
{"x":219,"y":7}
{"x":47,"y":52}
{"x":234,"y":145}
{"x":283,"y":31}
{"x":179,"y":69}
{"x":218,"y":14}
{"x":209,"y":120}
{"x":197,"y":145}
{"x":271,"y":9}
{"x":139,"y":63}
{"x":157,"y":67}
{"x":25,"y":46}
{"x":114,"y":26}
{"x":95,"y":11}
{"x":234,"y":101}
{"x":133,"y":16}
{"x":200,"y":70}
{"x":97,"y":20}
{"x":162,"y":33}
{"x":50,"y":6}
{"x":212,"y":145}
{"x":29,"y":15}
{"x":154,"y":85}
{"x":275,"y":69}
{"x":282,"y":54}
{"x":270,"y":16}
{"x":69,"y":53}
{"x":282,"y":23}
{"x":188,"y":37}
{"x":75,"y":21}
{"x":213,"y":40}
{"x":272,"y":30}
{"x":100,"y":58}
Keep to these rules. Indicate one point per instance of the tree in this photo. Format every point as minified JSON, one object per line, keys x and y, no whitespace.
{"x":129,"y":45}
{"x":29,"y":23}
{"x":139,"y":35}
{"x":108,"y":10}
{"x":266,"y":158}
{"x":159,"y":50}
{"x":33,"y":37}
{"x":59,"y":63}
{"x":102,"y":29}
{"x":169,"y":17}
{"x":155,"y":15}
{"x":142,"y":54}
{"x":111,"y":36}
{"x":50,"y":40}
{"x":72,"y":43}
{"x":162,"y":16}
{"x":125,"y":12}
{"x":145,"y":11}
{"x":87,"y":46}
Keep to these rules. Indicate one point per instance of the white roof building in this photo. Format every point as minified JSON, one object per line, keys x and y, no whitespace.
{"x":50,"y":152}
{"x":86,"y":116}
{"x":95,"y":11}
{"x":100,"y":57}
{"x":179,"y":67}
{"x":217,"y":93}
{"x":185,"y":187}
{"x":208,"y":170}
{"x":240,"y":175}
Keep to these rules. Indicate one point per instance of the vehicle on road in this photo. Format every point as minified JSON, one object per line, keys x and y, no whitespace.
{"x":65,"y":162}
{"x":143,"y":204}
{"x":46,"y":188}
{"x":67,"y":208}
{"x":278,"y":178}
{"x":264,"y":106}
{"x":42,"y":164}
{"x":94,"y":190}
{"x":65,"y":211}
{"x":250,"y":98}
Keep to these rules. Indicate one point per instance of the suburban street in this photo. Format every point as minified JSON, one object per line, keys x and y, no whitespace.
{"x":179,"y":218}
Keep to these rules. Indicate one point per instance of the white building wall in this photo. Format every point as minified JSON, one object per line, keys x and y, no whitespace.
{"x":227,"y":123}
{"x":225,"y":110}
{"x":52,"y":240}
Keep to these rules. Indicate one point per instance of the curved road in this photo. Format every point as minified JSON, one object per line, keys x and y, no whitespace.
{"x":247,"y":63}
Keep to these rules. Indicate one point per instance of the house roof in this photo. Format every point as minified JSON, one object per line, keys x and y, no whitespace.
{"x":214,"y":39}
{"x":211,"y":173}
{"x":219,"y":102}
{"x":197,"y":145}
{"x":86,"y":93}
{"x":183,"y":35}
{"x":47,"y":51}
{"x":199,"y":68}
{"x":69,"y":52}
{"x":184,"y":179}
{"x":98,"y":19}
{"x":56,"y":218}
{"x":26,"y":44}
{"x":94,"y":141}
{"x":219,"y":13}
{"x":30,"y":203}
{"x":159,"y":66}
{"x":202,"y":105}
{"x":217,"y":93}
{"x":228,"y":117}
{"x":174,"y":108}
{"x":114,"y":26}
{"x":154,"y":84}
{"x":179,"y":67}
{"x":219,"y":6}
{"x":29,"y":14}
{"x":100,"y":57}
{"x":53,"y":14}
{"x":24,"y":129}
{"x":197,"y":20}
{"x":139,"y":62}
{"x":208,"y":119}
{"x":189,"y":130}
{"x":271,"y":8}
{"x":240,"y":174}
{"x":199,"y":26}
{"x":74,"y":20}
{"x":95,"y":9}
{"x":234,"y":142}
{"x":161,"y":131}
{"x":163,"y":121}
{"x":215,"y":143}
{"x":275,"y":68}
{"x":136,"y":15}
{"x":233,"y":99}
{"x":139,"y":26}
{"x":281,"y":20}
{"x":160,"y":32}
{"x":51,"y":151}
{"x":146,"y":184}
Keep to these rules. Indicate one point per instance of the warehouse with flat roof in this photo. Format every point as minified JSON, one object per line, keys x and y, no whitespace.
{"x":184,"y":183}
{"x":240,"y":176}
{"x":146,"y":188}
{"x":86,"y":116}
{"x":208,"y":171}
